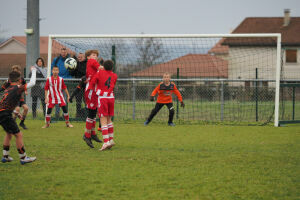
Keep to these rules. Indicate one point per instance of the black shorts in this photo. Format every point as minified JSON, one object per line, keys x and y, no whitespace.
{"x":8,"y":123}
{"x":21,"y":103}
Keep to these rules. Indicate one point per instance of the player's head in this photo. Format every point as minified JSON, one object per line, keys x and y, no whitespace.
{"x":63,"y":52}
{"x":108,"y":65}
{"x":55,"y":71}
{"x":166,"y":77}
{"x":40,"y":62}
{"x":14,"y":76}
{"x":92,"y":54}
{"x":16,"y":68}
{"x":81,"y":57}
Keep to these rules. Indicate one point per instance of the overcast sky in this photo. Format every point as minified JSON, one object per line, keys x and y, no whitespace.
{"x":136,"y":16}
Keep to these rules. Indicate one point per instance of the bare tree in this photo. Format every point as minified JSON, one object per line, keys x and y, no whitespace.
{"x":150,"y":51}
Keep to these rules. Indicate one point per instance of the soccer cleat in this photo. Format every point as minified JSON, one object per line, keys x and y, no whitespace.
{"x":6,"y":159}
{"x":171,"y":124}
{"x":23,"y":125}
{"x":88,"y":141}
{"x":69,"y":125}
{"x":111,"y":144}
{"x":95,"y":137}
{"x":46,"y":126}
{"x":146,"y":123}
{"x":105,"y":146}
{"x":27,"y":160}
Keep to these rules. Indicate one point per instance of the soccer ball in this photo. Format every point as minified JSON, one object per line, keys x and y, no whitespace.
{"x":70,"y":63}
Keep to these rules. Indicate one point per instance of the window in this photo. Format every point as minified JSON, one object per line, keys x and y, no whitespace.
{"x":291,"y":56}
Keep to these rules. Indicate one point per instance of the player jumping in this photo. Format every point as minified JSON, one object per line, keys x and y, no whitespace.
{"x":8,"y":103}
{"x":90,"y":96}
{"x":164,"y":91}
{"x":105,"y":81}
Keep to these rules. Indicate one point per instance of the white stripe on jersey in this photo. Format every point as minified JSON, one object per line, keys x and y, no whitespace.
{"x":51,"y":91}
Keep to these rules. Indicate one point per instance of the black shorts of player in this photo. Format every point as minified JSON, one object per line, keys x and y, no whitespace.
{"x":8,"y":123}
{"x":21,"y":103}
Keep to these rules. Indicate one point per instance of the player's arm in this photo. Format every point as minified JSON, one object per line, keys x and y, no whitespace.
{"x":68,"y":95}
{"x":32,"y":79}
{"x":46,"y":91}
{"x":154,"y":92}
{"x":177,"y":93}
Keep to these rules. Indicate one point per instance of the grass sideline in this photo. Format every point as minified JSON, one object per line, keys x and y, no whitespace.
{"x":157,"y":162}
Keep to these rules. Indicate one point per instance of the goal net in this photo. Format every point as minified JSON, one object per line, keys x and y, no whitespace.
{"x":228,"y":78}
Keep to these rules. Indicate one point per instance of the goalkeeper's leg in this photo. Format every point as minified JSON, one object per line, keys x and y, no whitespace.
{"x":154,"y":111}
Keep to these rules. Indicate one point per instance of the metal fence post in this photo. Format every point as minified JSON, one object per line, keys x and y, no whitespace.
{"x":222,"y":100}
{"x":256,"y":94}
{"x":133,"y":99}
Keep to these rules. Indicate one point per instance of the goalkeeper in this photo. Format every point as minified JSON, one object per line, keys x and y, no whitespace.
{"x":164,"y":90}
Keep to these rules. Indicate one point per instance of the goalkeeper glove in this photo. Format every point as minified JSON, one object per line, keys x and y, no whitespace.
{"x":151,"y":98}
{"x":182,"y":104}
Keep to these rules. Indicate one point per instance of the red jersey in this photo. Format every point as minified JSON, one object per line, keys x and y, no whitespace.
{"x":105,"y":82}
{"x":55,"y":87}
{"x":165,"y":93}
{"x":92,"y":67}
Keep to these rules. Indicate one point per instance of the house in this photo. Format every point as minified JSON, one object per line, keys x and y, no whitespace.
{"x":13,"y":52}
{"x":190,"y":66}
{"x":246,"y":55}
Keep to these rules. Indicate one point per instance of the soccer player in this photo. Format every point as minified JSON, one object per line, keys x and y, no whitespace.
{"x":90,"y":96}
{"x":55,"y":85}
{"x":22,"y":103}
{"x":8,"y":103}
{"x":105,"y":81}
{"x":164,"y":91}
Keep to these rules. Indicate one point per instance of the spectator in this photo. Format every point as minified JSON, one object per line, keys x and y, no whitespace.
{"x":63,"y":72}
{"x":37,"y":91}
{"x":79,"y":72}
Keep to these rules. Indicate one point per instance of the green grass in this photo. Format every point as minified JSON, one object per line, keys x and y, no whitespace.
{"x":157,"y":162}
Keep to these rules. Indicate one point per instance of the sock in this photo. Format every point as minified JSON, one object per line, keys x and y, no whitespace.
{"x":105,"y":134}
{"x":66,"y":116}
{"x":48,"y":119}
{"x":93,"y":132}
{"x":5,"y":151}
{"x":23,"y":119}
{"x":22,"y":153}
{"x":88,"y":127}
{"x":110,"y":131}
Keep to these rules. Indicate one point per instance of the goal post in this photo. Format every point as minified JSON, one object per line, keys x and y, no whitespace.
{"x":223,"y":77}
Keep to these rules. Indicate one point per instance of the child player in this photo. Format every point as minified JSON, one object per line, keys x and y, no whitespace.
{"x":55,"y":85}
{"x":92,"y":66}
{"x":164,"y":91}
{"x":105,"y":81}
{"x":8,"y":103}
{"x":22,"y":103}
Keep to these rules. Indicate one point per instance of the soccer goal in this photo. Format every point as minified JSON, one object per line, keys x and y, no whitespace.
{"x":227,"y":78}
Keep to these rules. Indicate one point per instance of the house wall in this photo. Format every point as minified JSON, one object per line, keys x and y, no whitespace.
{"x":13,"y":47}
{"x":291,"y":70}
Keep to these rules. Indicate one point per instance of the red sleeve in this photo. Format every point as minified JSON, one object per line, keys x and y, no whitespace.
{"x":47,"y":84}
{"x":177,"y":93}
{"x":63,"y":86}
{"x":155,"y":91}
{"x":95,"y":64}
{"x":113,"y":83}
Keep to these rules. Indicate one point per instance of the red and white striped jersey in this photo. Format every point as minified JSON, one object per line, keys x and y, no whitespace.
{"x":55,"y":87}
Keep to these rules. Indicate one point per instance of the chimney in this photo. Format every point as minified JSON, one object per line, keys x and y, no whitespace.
{"x":287,"y":18}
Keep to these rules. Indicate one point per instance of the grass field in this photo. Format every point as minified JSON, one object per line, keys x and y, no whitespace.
{"x":157,"y":162}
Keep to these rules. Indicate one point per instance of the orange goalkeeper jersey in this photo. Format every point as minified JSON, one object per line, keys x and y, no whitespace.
{"x":165,"y":93}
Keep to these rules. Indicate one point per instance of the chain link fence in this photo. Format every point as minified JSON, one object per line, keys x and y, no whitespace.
{"x":209,"y":101}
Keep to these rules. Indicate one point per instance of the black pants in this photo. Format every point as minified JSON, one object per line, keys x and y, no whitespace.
{"x":34,"y":105}
{"x":157,"y":108}
{"x":64,"y":108}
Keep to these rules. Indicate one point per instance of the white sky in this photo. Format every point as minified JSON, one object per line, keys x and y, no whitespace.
{"x":136,"y":16}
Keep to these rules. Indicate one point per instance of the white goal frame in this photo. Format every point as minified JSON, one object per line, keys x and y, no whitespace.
{"x":273,"y":35}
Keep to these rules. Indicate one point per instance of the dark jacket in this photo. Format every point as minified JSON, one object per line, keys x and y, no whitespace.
{"x":80,"y":70}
